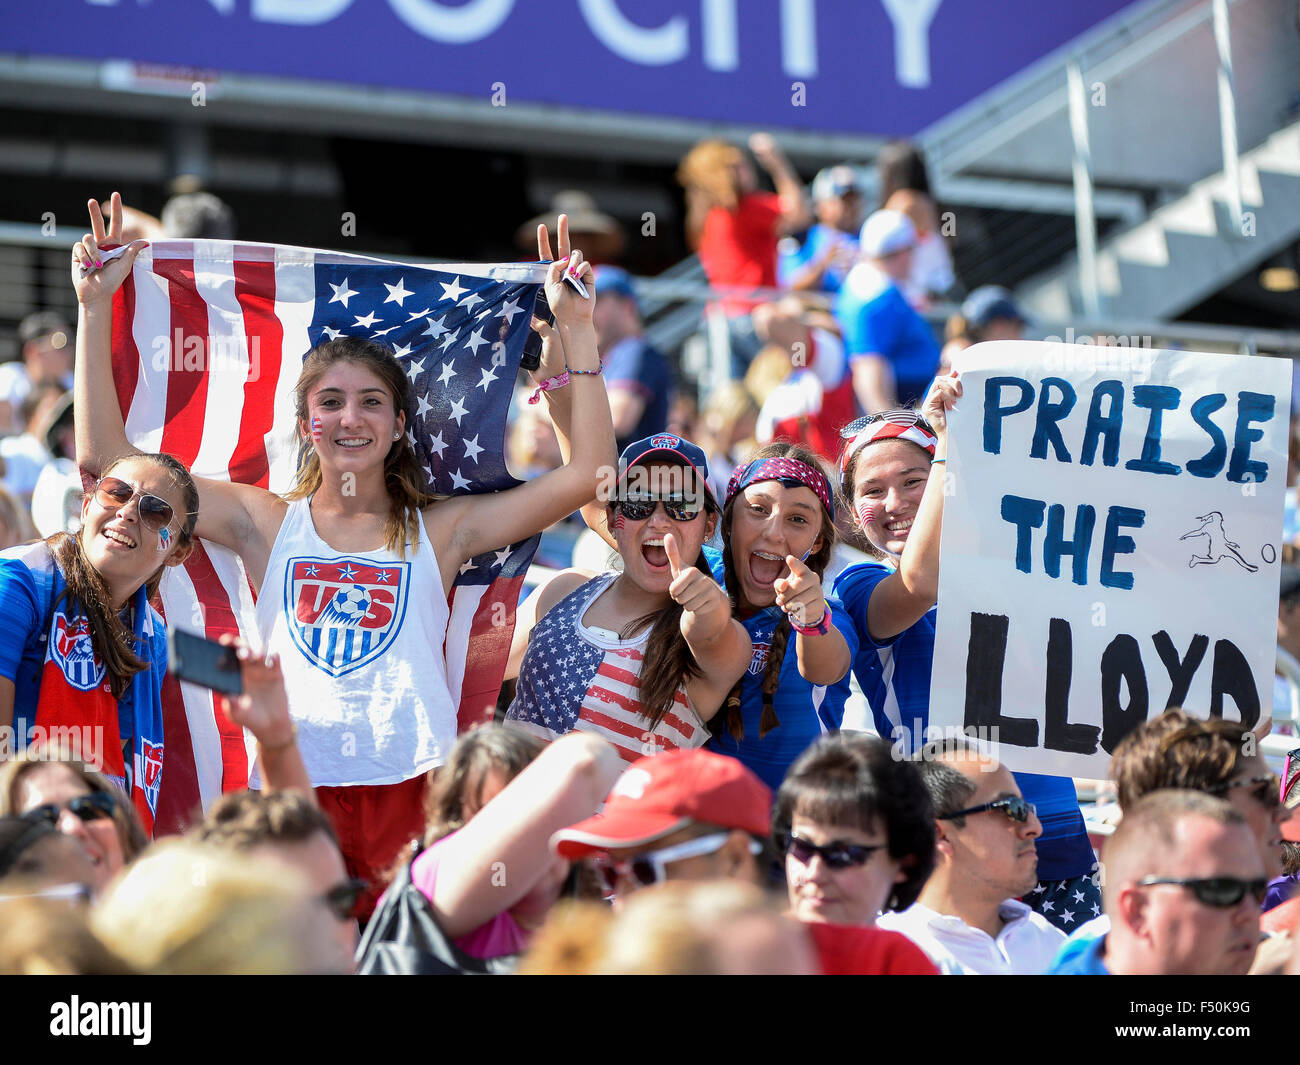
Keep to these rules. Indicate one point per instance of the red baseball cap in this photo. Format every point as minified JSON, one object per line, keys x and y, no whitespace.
{"x":666,"y":792}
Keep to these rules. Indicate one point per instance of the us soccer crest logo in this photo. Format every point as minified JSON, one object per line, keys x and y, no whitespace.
{"x":74,"y":654}
{"x":759,"y":660}
{"x":345,"y":612}
{"x":665,"y":440}
{"x":149,"y":770}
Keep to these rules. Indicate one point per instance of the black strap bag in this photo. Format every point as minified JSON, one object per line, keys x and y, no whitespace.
{"x":403,"y":938}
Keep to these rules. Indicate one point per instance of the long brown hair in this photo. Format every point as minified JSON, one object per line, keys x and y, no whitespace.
{"x":86,"y":591}
{"x":668,"y":663}
{"x":457,"y":788}
{"x":402,"y":475}
{"x":817,"y":562}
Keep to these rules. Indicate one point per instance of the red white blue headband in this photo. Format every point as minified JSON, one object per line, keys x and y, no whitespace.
{"x":892,"y":425}
{"x":790,"y":472}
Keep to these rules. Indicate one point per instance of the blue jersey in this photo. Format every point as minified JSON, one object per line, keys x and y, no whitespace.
{"x":62,"y":693}
{"x":876,"y":319}
{"x":895,"y":677}
{"x":805,"y":710}
{"x":819,"y":238}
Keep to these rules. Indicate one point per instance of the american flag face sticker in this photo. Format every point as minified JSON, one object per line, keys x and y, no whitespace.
{"x":164,"y":538}
{"x":315,"y":429}
{"x":867,"y":512}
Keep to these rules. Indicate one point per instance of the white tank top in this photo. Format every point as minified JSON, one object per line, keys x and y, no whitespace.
{"x":360,"y":638}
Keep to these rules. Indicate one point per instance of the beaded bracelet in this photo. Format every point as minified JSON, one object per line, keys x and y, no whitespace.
{"x":558,"y":381}
{"x":592,"y":373}
{"x":820,"y":629}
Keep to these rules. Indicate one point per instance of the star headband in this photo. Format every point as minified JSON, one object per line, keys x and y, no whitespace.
{"x":790,"y":472}
{"x":891,"y":425}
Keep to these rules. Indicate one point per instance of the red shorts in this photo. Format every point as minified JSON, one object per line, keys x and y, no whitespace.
{"x":374,"y":823}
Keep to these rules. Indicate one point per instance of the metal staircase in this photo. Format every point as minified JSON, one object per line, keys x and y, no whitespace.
{"x":1188,"y":248}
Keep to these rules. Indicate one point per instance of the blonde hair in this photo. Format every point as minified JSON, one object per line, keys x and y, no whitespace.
{"x":50,"y":937}
{"x":571,"y":943}
{"x":683,"y":928}
{"x":706,"y":169}
{"x":188,"y":907}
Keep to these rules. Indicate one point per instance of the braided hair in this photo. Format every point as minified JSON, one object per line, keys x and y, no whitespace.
{"x":817,"y":562}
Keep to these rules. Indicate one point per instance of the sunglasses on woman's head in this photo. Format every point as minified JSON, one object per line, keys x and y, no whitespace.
{"x":92,"y":807}
{"x":678,"y":508}
{"x":113,"y":493}
{"x":1222,"y":892}
{"x":837,"y":855}
{"x":905,"y":418}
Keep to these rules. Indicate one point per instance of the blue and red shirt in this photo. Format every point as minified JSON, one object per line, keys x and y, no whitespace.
{"x":60,"y":682}
{"x":805,"y":710}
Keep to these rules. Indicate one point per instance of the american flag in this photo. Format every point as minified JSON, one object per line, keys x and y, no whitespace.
{"x":208,"y":340}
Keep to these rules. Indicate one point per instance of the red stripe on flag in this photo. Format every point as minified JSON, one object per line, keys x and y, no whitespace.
{"x":613,"y":724}
{"x":632,"y":706}
{"x":218,"y":618}
{"x":255,"y":291}
{"x":126,"y":357}
{"x":187,"y":390}
{"x":489,"y":647}
{"x":178,"y":791}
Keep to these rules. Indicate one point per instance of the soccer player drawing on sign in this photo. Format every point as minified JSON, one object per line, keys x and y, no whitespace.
{"x":369,"y":694}
{"x":1217,"y":546}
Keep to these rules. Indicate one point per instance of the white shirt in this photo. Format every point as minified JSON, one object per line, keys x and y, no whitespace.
{"x":1026,"y":945}
{"x":360,"y":637}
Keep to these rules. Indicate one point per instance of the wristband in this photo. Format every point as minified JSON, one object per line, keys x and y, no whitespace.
{"x":280,"y":746}
{"x":820,"y":629}
{"x":558,"y":381}
{"x":935,"y":462}
{"x":592,"y":373}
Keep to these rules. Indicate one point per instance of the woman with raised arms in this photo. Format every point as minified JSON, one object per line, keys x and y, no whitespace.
{"x":369,"y":730}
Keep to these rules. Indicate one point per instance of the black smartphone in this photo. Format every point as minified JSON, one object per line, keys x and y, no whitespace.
{"x":532,"y":357}
{"x":203,"y":662}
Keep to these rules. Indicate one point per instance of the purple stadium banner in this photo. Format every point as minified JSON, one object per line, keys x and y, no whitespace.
{"x":875,"y":67}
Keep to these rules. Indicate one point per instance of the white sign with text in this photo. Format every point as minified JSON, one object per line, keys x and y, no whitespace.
{"x":1111,"y":538}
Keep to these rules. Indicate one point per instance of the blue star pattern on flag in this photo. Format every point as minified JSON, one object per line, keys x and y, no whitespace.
{"x":461,"y":351}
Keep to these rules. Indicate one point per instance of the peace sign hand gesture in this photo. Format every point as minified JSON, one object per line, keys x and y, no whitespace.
{"x":94,"y":277}
{"x":567,"y":305}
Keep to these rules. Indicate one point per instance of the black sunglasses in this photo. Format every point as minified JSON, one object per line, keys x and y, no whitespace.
{"x":837,"y":855}
{"x":113,"y":494}
{"x":93,"y":807}
{"x":1013,"y":806}
{"x":676,"y":507}
{"x":1222,"y":892}
{"x":1264,"y":790}
{"x":342,"y":898}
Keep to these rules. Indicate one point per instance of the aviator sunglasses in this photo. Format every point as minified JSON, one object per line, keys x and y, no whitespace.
{"x":92,"y":807}
{"x":114,"y":494}
{"x":676,"y":507}
{"x":1222,"y":892}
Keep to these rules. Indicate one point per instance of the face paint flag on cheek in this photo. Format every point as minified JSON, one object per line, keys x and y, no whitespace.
{"x":866,"y":513}
{"x":315,"y":429}
{"x":618,"y":520}
{"x":164,"y":538}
